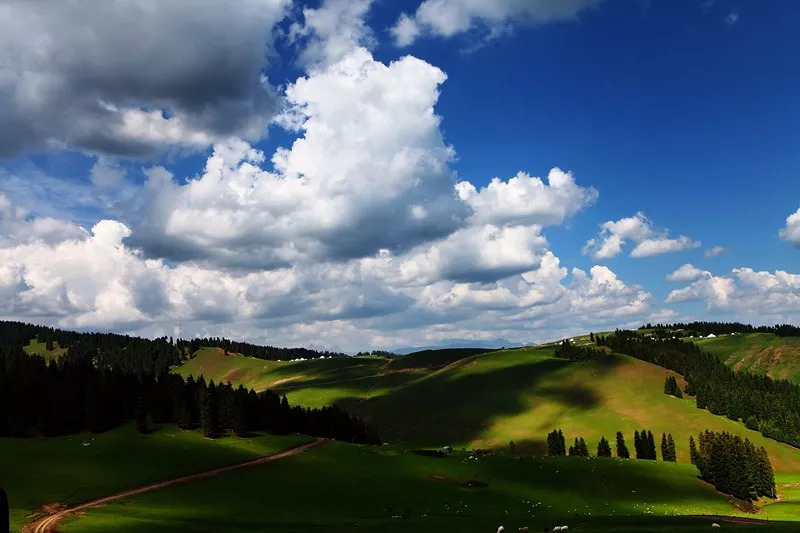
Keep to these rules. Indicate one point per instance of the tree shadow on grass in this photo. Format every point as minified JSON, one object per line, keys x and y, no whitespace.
{"x":455,"y":406}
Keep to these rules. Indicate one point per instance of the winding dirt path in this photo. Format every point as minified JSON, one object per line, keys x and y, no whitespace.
{"x":49,"y":523}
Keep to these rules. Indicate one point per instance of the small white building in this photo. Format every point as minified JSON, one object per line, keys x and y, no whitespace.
{"x":710,"y":336}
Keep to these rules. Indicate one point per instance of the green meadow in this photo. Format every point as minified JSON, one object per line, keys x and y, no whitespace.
{"x":339,"y":487}
{"x":760,"y":353}
{"x":85,"y":466}
{"x":40,"y":348}
{"x":490,"y":399}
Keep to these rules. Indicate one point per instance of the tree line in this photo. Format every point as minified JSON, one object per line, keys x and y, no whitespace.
{"x":567,"y":350}
{"x":764,"y":404}
{"x":644,"y":445}
{"x":723,"y":328}
{"x":733,"y":465}
{"x":75,"y":394}
{"x":138,"y":355}
{"x":270,"y":353}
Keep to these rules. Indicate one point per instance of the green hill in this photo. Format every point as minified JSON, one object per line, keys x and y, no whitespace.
{"x":70,"y":469}
{"x":340,"y":487}
{"x":760,"y":353}
{"x":489,"y":399}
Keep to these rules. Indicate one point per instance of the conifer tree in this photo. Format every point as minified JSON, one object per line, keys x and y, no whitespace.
{"x":694,"y":456}
{"x":603,"y":448}
{"x":664,"y":447}
{"x":562,"y":444}
{"x":209,"y":411}
{"x":622,"y":449}
{"x":651,"y":446}
{"x":766,"y":476}
{"x":673,"y":456}
{"x":583,"y":450}
{"x":669,"y":385}
{"x":637,"y":445}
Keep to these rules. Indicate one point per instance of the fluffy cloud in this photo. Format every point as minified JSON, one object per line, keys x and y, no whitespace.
{"x":639,"y":229}
{"x":480,"y":282}
{"x":687,"y":272}
{"x":333,"y":31}
{"x":750,"y":294}
{"x":18,"y":227}
{"x":69,"y":76}
{"x":450,"y":17}
{"x":791,"y":232}
{"x":356,"y":235}
{"x":369,"y":172}
{"x":526,"y":199}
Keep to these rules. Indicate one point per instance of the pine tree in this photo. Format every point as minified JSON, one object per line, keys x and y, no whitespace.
{"x":561,"y":444}
{"x":664,"y":447}
{"x":603,"y":448}
{"x":651,"y":446}
{"x":637,"y":445}
{"x":622,"y":449}
{"x":766,"y":477}
{"x":673,"y":456}
{"x":583,"y":450}
{"x":512,"y":447}
{"x":209,"y":411}
{"x":669,"y":385}
{"x":591,"y":336}
{"x":573,"y":448}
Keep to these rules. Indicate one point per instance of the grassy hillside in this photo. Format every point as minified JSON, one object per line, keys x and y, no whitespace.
{"x":520,"y":395}
{"x":487,"y":400}
{"x":341,"y":487}
{"x":71,"y":469}
{"x":315,"y":382}
{"x":40,"y":348}
{"x":778,"y":357}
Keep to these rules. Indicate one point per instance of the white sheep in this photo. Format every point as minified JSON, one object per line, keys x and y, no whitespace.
{"x":500,"y":529}
{"x":715,"y":525}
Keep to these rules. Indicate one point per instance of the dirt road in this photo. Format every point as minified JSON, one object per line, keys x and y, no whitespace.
{"x":47,"y":524}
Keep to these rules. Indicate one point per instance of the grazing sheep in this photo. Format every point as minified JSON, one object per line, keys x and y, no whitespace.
{"x":500,"y":529}
{"x":715,"y":525}
{"x":523,"y":529}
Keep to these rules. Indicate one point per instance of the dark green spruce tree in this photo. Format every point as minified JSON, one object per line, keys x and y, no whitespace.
{"x":622,"y":449}
{"x":673,"y":455}
{"x":651,"y":446}
{"x":603,"y":448}
{"x":209,"y":411}
{"x":637,"y":445}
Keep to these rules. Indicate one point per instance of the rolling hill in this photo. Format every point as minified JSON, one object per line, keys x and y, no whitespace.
{"x":390,"y":489}
{"x":760,"y":353}
{"x":489,"y":399}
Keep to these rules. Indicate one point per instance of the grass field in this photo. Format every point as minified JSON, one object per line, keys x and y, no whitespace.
{"x":40,"y":471}
{"x":760,"y":353}
{"x":40,"y":348}
{"x":341,"y":487}
{"x":311,"y":383}
{"x":489,"y":399}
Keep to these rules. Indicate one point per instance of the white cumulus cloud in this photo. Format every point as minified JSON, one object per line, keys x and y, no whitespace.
{"x":791,"y":232}
{"x":450,"y":17}
{"x":638,"y":228}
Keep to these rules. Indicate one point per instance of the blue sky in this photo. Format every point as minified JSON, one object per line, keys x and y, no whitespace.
{"x":683,"y":111}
